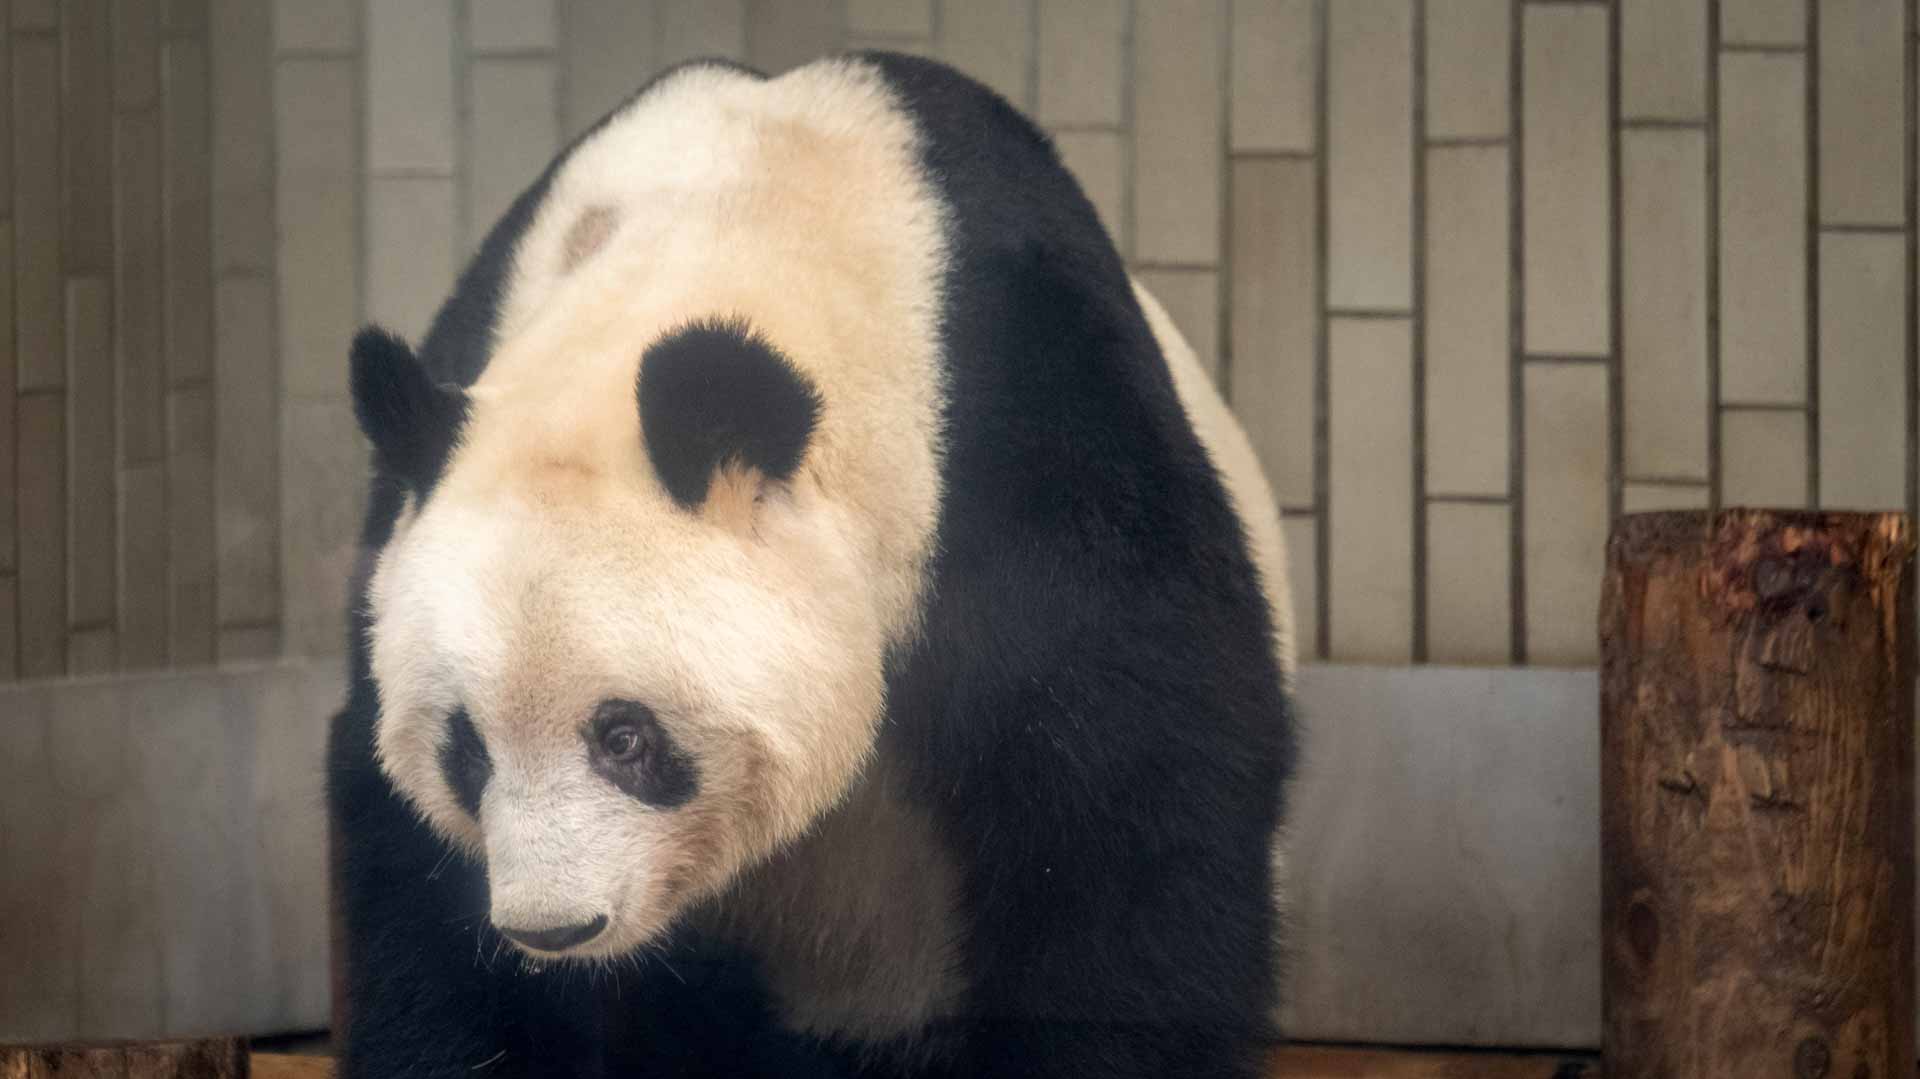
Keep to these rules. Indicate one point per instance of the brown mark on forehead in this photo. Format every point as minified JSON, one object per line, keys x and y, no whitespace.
{"x":587,"y":235}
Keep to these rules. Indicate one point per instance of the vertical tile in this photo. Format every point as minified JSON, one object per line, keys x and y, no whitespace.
{"x":783,"y":34}
{"x":41,"y":997}
{"x":1178,"y":70}
{"x":246,"y":451}
{"x":1763,"y":458}
{"x":9,"y":376}
{"x":1863,"y":408}
{"x":1273,"y":335}
{"x":1663,"y":59}
{"x":1663,"y":309}
{"x":1271,"y":85}
{"x":36,"y":14}
{"x":609,"y":53}
{"x":991,"y":40}
{"x":1192,"y":300}
{"x":410,"y":252}
{"x":86,"y":105}
{"x":1370,"y":497}
{"x":507,"y":25}
{"x":91,"y":516}
{"x":39,"y":293}
{"x":143,"y":567}
{"x":513,"y":111}
{"x":185,"y":18}
{"x":1566,"y":509}
{"x":188,"y":293}
{"x":1648,"y":497}
{"x":1469,"y":555}
{"x":1565,"y":178}
{"x":136,"y":53}
{"x":1763,"y":22}
{"x":247,"y":644}
{"x":119,"y":944}
{"x":410,"y":86}
{"x":323,"y":489}
{"x":1098,"y":160}
{"x":9,"y":633}
{"x":1763,"y":219}
{"x":42,"y":420}
{"x":694,"y":29}
{"x":1466,"y":79}
{"x":190,"y":552}
{"x":328,"y":25}
{"x":1468,"y":296}
{"x":1370,"y":159}
{"x":91,"y":652}
{"x":1302,"y":537}
{"x":890,"y":18}
{"x":242,"y":145}
{"x":1862,"y":111}
{"x":317,"y":187}
{"x":137,"y":288}
{"x":1081,"y":44}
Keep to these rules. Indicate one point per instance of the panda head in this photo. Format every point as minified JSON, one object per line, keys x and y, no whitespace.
{"x":624,"y":639}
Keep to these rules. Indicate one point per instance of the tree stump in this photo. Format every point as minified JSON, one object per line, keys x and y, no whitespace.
{"x":219,"y":1058}
{"x":1757,"y":846}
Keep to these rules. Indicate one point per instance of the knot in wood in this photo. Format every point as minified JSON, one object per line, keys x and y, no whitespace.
{"x":1812,"y":1059}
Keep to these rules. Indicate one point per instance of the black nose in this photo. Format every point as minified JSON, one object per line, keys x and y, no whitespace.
{"x":559,"y":938}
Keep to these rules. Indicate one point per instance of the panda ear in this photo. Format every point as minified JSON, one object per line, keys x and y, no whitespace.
{"x":411,"y":420}
{"x":715,"y":396}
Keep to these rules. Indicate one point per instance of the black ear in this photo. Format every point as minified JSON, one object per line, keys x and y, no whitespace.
{"x":715,"y":394}
{"x":411,"y":420}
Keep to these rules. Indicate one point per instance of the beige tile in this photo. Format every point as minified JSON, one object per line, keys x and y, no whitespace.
{"x":1082,"y":45}
{"x":783,"y":34}
{"x":514,"y":111}
{"x":138,"y":286}
{"x":190,"y":554}
{"x":6,"y":126}
{"x":9,"y":631}
{"x":692,"y":29}
{"x":1763,"y":218}
{"x":1663,"y":59}
{"x":136,"y":53}
{"x":38,"y":925}
{"x":992,"y":40}
{"x":1763,"y":458}
{"x":1178,"y":69}
{"x":318,"y":190}
{"x":185,"y":18}
{"x":39,"y":293}
{"x":1469,"y":583}
{"x":1370,"y":499}
{"x":246,"y":452}
{"x":186,"y":239}
{"x":334,"y":25}
{"x":911,"y":46}
{"x":92,"y":518}
{"x":410,"y":252}
{"x":501,"y":25}
{"x":1763,"y":22}
{"x":1300,"y":532}
{"x":1566,"y":521}
{"x":1098,"y":159}
{"x":1863,"y":410}
{"x":91,"y":652}
{"x":86,"y":137}
{"x":106,"y":844}
{"x":1862,"y":111}
{"x":1565,"y":190}
{"x":36,"y":14}
{"x":1274,"y":322}
{"x":323,"y":491}
{"x":1370,"y":156}
{"x":1664,"y":302}
{"x":1469,"y":383}
{"x":1650,"y":497}
{"x":1271,"y":88}
{"x":410,"y":115}
{"x":143,"y":567}
{"x":247,"y":644}
{"x":1468,"y":42}
{"x":1192,"y":300}
{"x":9,"y":376}
{"x":608,"y":52}
{"x":241,"y":55}
{"x":42,"y":421}
{"x":890,"y":18}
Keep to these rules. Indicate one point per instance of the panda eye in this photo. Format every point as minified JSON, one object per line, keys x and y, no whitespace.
{"x":621,"y":743}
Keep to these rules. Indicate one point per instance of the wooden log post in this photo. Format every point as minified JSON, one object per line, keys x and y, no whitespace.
{"x":1757,"y":843}
{"x":217,"y":1058}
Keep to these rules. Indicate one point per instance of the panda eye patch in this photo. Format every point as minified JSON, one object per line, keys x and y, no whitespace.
{"x":629,"y":748}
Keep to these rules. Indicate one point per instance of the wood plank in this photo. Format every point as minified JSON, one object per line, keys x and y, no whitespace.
{"x":139,"y":337}
{"x":91,"y":512}
{"x":43,"y":519}
{"x":39,"y":302}
{"x":224,"y":1058}
{"x":1316,"y":1062}
{"x":86,"y":61}
{"x":186,"y":235}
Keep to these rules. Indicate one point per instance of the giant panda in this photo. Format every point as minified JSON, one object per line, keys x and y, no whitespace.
{"x":816,"y":618}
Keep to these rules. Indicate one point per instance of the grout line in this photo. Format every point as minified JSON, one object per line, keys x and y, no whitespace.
{"x":1089,"y":129}
{"x":1269,"y":155}
{"x":1417,"y":332}
{"x":524,"y":53}
{"x":1845,"y":227}
{"x":409,"y":173}
{"x":1762,"y":406}
{"x":1762,"y":47}
{"x":1663,"y":123}
{"x":311,"y":52}
{"x":1576,"y":358}
{"x":1616,"y":277}
{"x":1444,"y":498}
{"x":1297,"y":511}
{"x":1370,"y":312}
{"x":1516,"y":335}
{"x":1715,"y":466}
{"x":1174,"y":266}
{"x":1446,"y":141}
{"x":1322,"y":375}
{"x":1811,"y":71}
{"x":1666,"y":481}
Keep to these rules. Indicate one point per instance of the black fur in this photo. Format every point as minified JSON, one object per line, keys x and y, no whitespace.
{"x":465,"y":762}
{"x":715,"y":394}
{"x":1092,"y":714}
{"x":658,"y":772}
{"x":412,"y":421}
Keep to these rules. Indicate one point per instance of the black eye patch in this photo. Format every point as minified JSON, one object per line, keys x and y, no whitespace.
{"x":465,"y":763}
{"x":630,"y":749}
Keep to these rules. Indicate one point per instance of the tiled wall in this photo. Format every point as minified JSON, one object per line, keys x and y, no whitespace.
{"x":1477,"y":274}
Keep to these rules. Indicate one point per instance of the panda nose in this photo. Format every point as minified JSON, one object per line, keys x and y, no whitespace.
{"x":559,"y":938}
